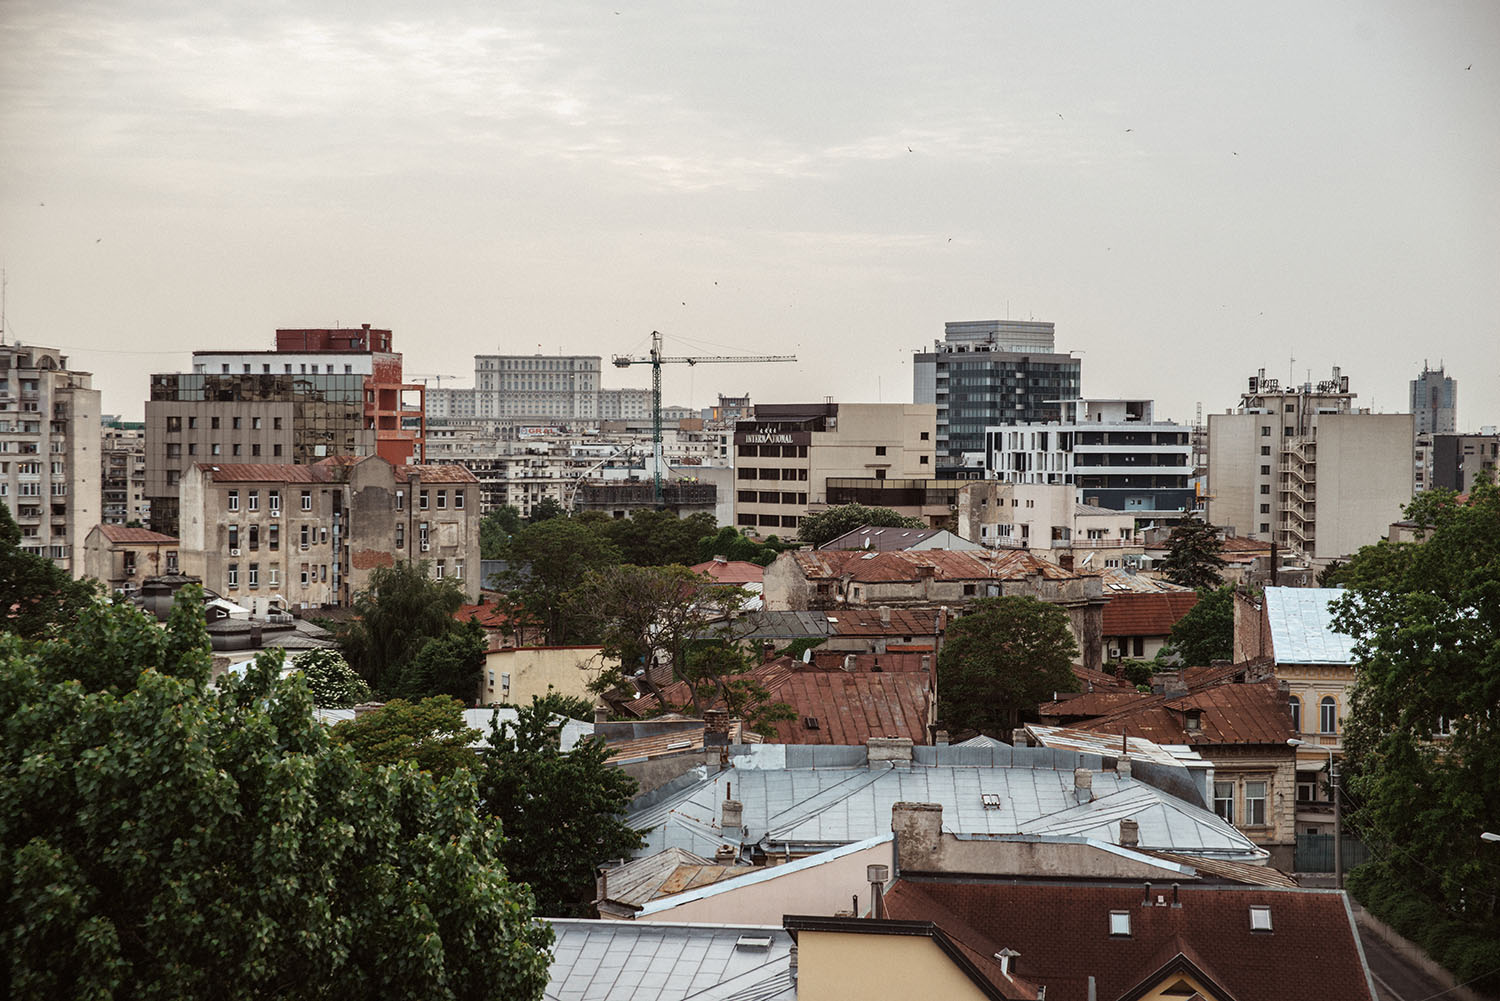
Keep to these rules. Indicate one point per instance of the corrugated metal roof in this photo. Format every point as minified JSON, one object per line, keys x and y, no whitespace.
{"x":609,"y":960}
{"x":907,"y":565}
{"x":121,"y":533}
{"x":825,"y":806}
{"x":1302,"y":626}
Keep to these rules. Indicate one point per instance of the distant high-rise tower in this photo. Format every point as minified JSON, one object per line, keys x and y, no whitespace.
{"x":1434,"y":401}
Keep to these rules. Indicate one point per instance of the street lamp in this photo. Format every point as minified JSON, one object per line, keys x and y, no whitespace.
{"x":1338,"y":825}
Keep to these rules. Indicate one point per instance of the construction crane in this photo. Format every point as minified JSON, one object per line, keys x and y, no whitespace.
{"x":656,"y":360}
{"x":422,"y":377}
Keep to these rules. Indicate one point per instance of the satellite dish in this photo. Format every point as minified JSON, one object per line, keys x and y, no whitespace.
{"x":807,"y":656}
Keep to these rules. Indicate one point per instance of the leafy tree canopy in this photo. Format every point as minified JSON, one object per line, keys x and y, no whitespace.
{"x":829,"y":524}
{"x":401,"y":610}
{"x":1206,"y":633}
{"x":431,"y":733}
{"x":162,"y":838}
{"x":732,"y":544}
{"x":1193,"y":558}
{"x":651,"y":538}
{"x":544,"y":510}
{"x":1425,"y":617}
{"x":547,"y":561}
{"x":333,"y":683}
{"x":1004,"y":657}
{"x":36,"y":595}
{"x":495,"y":530}
{"x":562,"y":813}
{"x":450,"y":664}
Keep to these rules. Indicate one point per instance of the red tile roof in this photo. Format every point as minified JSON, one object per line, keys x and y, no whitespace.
{"x":906,"y":565}
{"x":1146,"y":614}
{"x":1228,"y":714}
{"x":1061,"y":934}
{"x":732,"y":571}
{"x":677,"y":693}
{"x":139,"y":536}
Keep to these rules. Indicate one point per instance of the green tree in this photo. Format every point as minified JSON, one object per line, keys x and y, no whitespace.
{"x":36,"y":595}
{"x":164,"y":838}
{"x":650,"y":538}
{"x":401,"y":610}
{"x":833,"y":522}
{"x":1004,"y":657}
{"x":1423,"y":735}
{"x":450,"y":664}
{"x":547,"y":561}
{"x":333,"y":683}
{"x":562,"y":812}
{"x":545,"y":510}
{"x":1206,"y":633}
{"x":1193,"y":558}
{"x":495,"y":530}
{"x":732,"y":544}
{"x":431,"y":734}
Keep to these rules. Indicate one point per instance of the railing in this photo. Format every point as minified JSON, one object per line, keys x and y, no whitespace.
{"x":1314,"y":853}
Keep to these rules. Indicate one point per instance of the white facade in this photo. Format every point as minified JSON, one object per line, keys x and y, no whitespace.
{"x":283,"y":363}
{"x":49,"y":452}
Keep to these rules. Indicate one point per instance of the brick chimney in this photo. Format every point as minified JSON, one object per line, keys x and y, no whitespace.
{"x":1083,"y":784}
{"x":716,"y":721}
{"x":1130,"y":833}
{"x":732,"y":815}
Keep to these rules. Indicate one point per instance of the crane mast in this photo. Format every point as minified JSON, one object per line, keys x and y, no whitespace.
{"x":656,"y":360}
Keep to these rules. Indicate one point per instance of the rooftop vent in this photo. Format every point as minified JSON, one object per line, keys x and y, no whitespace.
{"x":991,"y":800}
{"x":760,"y":942}
{"x":811,"y":722}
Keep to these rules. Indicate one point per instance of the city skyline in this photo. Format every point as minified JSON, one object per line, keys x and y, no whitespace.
{"x":1191,"y":195}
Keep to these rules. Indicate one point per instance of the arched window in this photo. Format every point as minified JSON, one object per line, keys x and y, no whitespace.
{"x":1296,"y":707}
{"x":1328,"y":715}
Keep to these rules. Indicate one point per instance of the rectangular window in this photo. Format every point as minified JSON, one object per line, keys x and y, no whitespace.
{"x":254,"y":536}
{"x":1265,"y":470}
{"x":303,"y":537}
{"x":422,"y":500}
{"x":276,"y":421}
{"x":276,"y":450}
{"x":255,"y":423}
{"x":273,"y":537}
{"x":879,"y":449}
{"x":237,"y":423}
{"x":458,"y":569}
{"x":1224,"y":801}
{"x":1265,"y":450}
{"x":273,"y":501}
{"x":235,"y":448}
{"x":304,"y":575}
{"x":458,"y":499}
{"x":1255,"y":804}
{"x":213,"y":423}
{"x":273,"y":575}
{"x":234,"y":500}
{"x":307,"y":500}
{"x":400,"y":500}
{"x":253,"y":577}
{"x":253,"y":500}
{"x":1265,"y":430}
{"x":234,"y":536}
{"x":441,"y":570}
{"x":1119,"y":923}
{"x":400,"y":536}
{"x":442,"y":500}
{"x":234,"y":575}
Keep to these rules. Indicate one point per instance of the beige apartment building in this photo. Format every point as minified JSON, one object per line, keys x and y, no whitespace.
{"x":49,"y":452}
{"x":123,"y":474}
{"x":1302,"y":467}
{"x":786,"y":455}
{"x":310,"y":536}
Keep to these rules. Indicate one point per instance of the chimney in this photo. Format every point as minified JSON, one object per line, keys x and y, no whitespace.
{"x":940,"y":738}
{"x":1130,"y":833}
{"x":367,"y":707}
{"x":1020,"y":738}
{"x":726,"y":854}
{"x":716,"y":721}
{"x":877,"y":875}
{"x":926,"y":663}
{"x":885,"y":615}
{"x":732,"y":815}
{"x":892,"y":749}
{"x":1083,"y":784}
{"x":849,"y":663}
{"x":601,"y":713}
{"x":792,"y":963}
{"x":919,"y":832}
{"x":1122,"y":768}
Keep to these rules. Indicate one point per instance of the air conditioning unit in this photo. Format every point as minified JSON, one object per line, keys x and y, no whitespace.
{"x":234,"y":552}
{"x":426,"y":546}
{"x":276,"y":512}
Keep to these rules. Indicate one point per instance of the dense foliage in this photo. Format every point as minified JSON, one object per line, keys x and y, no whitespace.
{"x":401,"y":611}
{"x":36,"y":595}
{"x":1423,"y":737}
{"x":431,"y":734}
{"x":547,"y":561}
{"x":829,"y":524}
{"x":1206,"y":633}
{"x":1193,"y":558}
{"x":162,"y":838}
{"x":561,"y":812}
{"x":330,"y":679}
{"x":732,"y":544}
{"x":1004,"y":657}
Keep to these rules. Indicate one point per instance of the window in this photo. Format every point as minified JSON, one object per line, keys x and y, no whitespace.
{"x":400,"y":536}
{"x":254,"y":536}
{"x":1265,"y":488}
{"x":1260,"y":918}
{"x":304,"y":575}
{"x":255,"y":423}
{"x":213,"y":423}
{"x":1328,"y":715}
{"x":276,"y":421}
{"x":234,"y":575}
{"x":1289,"y":431}
{"x":1306,"y":791}
{"x":253,"y":500}
{"x":441,"y":570}
{"x":215,"y":449}
{"x":422,"y":500}
{"x":442,"y":500}
{"x":458,"y":569}
{"x":879,"y":449}
{"x":1265,"y":526}
{"x":1224,"y":801}
{"x":192,"y":422}
{"x":1265,"y":430}
{"x":236,"y":423}
{"x":253,"y":578}
{"x":273,"y":537}
{"x":1255,"y":804}
{"x":422,"y":535}
{"x":1265,"y":509}
{"x":1265,"y":450}
{"x":276,"y":450}
{"x":1119,"y":923}
{"x":1265,"y":470}
{"x":192,"y":448}
{"x":926,"y":435}
{"x":400,"y":500}
{"x":235,"y":448}
{"x":1295,"y":704}
{"x":303,"y":537}
{"x":458,"y":499}
{"x":234,"y":536}
{"x":255,"y":449}
{"x":922,"y":459}
{"x":273,"y":575}
{"x":307,"y":500}
{"x":273,"y":501}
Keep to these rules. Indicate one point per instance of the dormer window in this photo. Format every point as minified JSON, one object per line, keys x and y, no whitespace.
{"x":1194,"y":720}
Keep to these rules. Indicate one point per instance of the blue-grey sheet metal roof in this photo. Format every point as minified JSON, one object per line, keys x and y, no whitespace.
{"x":807,"y":808}
{"x":641,"y":961}
{"x":788,"y":625}
{"x":1302,"y":626}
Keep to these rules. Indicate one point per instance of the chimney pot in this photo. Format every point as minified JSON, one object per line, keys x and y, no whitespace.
{"x":1130,"y":833}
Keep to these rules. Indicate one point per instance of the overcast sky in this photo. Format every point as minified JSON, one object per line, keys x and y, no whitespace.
{"x":1190,"y":191}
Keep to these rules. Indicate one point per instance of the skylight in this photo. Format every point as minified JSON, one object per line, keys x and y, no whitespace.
{"x":1260,"y":918}
{"x":1119,"y":922}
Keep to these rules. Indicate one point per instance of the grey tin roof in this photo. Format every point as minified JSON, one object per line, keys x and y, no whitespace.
{"x":641,"y":961}
{"x":809,"y":808}
{"x":1302,"y":626}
